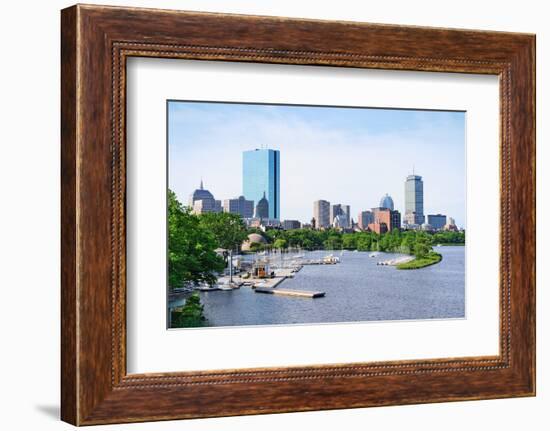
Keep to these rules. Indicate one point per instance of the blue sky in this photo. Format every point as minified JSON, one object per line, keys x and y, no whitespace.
{"x":351,"y":156}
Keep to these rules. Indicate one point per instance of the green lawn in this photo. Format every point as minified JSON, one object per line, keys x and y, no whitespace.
{"x":431,"y":259}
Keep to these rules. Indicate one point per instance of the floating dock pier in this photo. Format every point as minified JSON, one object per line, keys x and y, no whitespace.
{"x":290,"y":292}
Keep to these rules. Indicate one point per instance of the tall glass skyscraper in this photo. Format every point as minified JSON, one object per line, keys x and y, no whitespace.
{"x":414,"y":200}
{"x":261,"y":174}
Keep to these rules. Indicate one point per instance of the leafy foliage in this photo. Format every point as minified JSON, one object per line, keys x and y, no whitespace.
{"x":429,"y":259}
{"x":191,"y":314}
{"x":228,"y":229}
{"x":280,"y":243}
{"x":191,"y":255}
{"x":418,"y":243}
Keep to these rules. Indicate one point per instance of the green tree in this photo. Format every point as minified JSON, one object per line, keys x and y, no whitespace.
{"x":280,"y":243}
{"x":191,"y":314}
{"x":333,"y":242}
{"x":364,"y":241}
{"x":349,"y":241}
{"x":191,"y":255}
{"x":422,"y":245}
{"x":407,"y":242}
{"x":228,"y":230}
{"x":256,"y":247}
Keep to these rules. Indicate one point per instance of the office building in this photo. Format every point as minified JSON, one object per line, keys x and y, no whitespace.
{"x":344,"y":212}
{"x":340,"y":222}
{"x":321,"y":214}
{"x":414,"y":200}
{"x":203,"y":206}
{"x":262,"y":223}
{"x":261,"y":176}
{"x":240,"y":205}
{"x":437,"y":221}
{"x":450,"y":225}
{"x":202,"y":201}
{"x":385,"y":220}
{"x":364,"y":219}
{"x":291,"y":224}
{"x":378,"y":227}
{"x":262,"y":208}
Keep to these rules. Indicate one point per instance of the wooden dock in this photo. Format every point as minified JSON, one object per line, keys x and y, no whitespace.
{"x":290,"y":292}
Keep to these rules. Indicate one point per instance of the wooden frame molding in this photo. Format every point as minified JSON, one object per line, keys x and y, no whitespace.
{"x":95,"y":43}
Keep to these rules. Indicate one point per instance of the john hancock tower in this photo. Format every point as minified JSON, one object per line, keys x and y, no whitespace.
{"x":261,"y":174}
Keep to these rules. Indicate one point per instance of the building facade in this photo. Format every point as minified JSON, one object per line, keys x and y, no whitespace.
{"x":378,"y":228}
{"x":364,"y":219}
{"x":262,"y":208}
{"x":203,"y":206}
{"x":261,"y":176}
{"x":262,"y":223}
{"x":291,"y":224}
{"x":340,"y":222}
{"x":414,"y":200}
{"x":450,"y":225}
{"x":344,"y":212}
{"x":321,"y":214}
{"x":385,"y":220}
{"x":437,"y":221}
{"x":202,"y":201}
{"x":240,"y":205}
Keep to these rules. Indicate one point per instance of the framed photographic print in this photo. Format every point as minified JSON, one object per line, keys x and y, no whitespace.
{"x":268,"y":215}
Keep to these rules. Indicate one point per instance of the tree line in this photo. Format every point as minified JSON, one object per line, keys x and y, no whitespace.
{"x":194,"y":240}
{"x":408,"y":242}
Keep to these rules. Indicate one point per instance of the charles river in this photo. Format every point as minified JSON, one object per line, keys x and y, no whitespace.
{"x":357,"y":290}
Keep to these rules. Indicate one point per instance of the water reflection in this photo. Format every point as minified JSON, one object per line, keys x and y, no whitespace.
{"x":356,"y":290}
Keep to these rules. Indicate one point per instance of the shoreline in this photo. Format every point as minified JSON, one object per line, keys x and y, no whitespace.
{"x":417,"y":263}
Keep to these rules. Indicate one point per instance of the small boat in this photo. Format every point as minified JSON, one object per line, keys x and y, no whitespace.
{"x":330,"y":259}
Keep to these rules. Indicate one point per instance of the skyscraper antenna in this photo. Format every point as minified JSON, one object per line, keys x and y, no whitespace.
{"x":413,"y":169}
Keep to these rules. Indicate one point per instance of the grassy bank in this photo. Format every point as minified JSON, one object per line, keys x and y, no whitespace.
{"x":431,"y":259}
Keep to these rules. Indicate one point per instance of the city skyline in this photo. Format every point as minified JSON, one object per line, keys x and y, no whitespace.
{"x":325,"y":166}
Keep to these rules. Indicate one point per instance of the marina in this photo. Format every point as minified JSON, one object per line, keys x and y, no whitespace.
{"x":355,"y":289}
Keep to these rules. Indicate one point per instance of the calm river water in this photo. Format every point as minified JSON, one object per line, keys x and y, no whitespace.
{"x":356,"y":290}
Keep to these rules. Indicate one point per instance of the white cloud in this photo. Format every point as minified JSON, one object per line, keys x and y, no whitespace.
{"x":317,"y":161}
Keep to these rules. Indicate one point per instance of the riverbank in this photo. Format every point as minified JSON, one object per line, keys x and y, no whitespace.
{"x":431,"y":259}
{"x":356,"y":290}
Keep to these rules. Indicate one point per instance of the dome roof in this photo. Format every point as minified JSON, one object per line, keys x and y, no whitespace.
{"x":255,"y":237}
{"x":386,"y":202}
{"x":200,"y":194}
